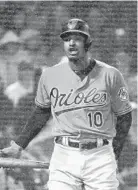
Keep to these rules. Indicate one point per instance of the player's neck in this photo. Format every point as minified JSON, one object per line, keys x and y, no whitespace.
{"x":78,"y":65}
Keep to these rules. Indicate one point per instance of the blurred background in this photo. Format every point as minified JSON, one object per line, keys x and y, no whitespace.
{"x":29,"y":42}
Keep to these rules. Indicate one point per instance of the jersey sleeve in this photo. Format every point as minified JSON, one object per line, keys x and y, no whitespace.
{"x":42,"y":98}
{"x":119,"y":95}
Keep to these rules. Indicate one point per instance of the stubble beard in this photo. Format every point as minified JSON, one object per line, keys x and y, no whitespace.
{"x":74,"y":61}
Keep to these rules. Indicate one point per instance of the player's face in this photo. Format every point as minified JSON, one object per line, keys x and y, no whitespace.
{"x":74,"y":46}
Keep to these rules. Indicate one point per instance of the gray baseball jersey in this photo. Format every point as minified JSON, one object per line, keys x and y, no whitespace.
{"x":83,"y":108}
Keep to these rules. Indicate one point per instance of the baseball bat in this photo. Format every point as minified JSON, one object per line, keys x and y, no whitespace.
{"x":22,"y":163}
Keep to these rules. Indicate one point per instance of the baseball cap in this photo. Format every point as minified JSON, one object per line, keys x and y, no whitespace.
{"x":75,"y":25}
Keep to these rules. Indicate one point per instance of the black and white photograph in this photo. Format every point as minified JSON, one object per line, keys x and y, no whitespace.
{"x":68,"y":95}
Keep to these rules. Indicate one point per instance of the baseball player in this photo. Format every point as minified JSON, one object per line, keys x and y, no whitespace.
{"x":89,"y":102}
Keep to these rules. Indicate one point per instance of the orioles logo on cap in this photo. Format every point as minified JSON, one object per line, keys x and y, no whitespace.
{"x":72,"y":25}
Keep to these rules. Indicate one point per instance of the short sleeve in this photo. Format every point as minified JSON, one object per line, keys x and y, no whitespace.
{"x":42,"y":98}
{"x":119,"y":95}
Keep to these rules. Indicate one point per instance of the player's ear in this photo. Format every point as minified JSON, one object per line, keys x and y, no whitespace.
{"x":87,"y":46}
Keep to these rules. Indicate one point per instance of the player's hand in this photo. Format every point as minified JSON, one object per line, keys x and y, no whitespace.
{"x":13,"y":151}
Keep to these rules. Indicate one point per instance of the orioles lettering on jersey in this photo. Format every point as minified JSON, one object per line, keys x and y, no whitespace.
{"x":81,"y":100}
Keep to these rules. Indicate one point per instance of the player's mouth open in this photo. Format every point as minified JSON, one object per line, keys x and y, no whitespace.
{"x":73,"y":51}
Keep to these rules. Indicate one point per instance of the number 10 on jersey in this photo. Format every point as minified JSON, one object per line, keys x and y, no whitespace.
{"x":95,"y":119}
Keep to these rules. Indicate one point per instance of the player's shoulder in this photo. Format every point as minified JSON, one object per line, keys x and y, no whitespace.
{"x":108,"y":69}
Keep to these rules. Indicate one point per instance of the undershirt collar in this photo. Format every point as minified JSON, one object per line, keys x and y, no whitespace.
{"x":87,"y":70}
